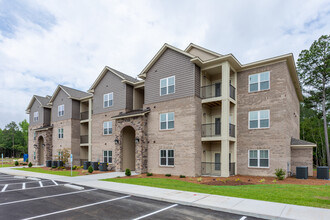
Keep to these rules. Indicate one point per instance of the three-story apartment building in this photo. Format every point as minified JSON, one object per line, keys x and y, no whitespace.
{"x":193,"y":112}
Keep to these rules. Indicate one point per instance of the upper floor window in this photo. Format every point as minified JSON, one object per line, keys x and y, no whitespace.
{"x":35,"y":116}
{"x":60,"y":133}
{"x":107,"y":127}
{"x":259,"y":158}
{"x":34,"y":135}
{"x":60,"y":109}
{"x":167,"y":85}
{"x":107,"y":100}
{"x":259,"y":82}
{"x":167,"y":121}
{"x":107,"y":156}
{"x":259,"y":119}
{"x":167,"y":157}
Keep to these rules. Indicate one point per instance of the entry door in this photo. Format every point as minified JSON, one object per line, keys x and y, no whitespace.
{"x":217,"y":89}
{"x":217,"y":161}
{"x":217,"y":126}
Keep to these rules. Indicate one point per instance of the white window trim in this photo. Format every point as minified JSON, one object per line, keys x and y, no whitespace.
{"x":58,"y":111}
{"x":160,"y":86}
{"x":258,"y":158}
{"x":259,"y":82}
{"x":259,"y":119}
{"x":108,"y":100}
{"x":108,"y":156}
{"x":160,"y":154}
{"x":166,"y":120}
{"x":60,"y":133}
{"x":35,"y":118}
{"x":108,"y":122}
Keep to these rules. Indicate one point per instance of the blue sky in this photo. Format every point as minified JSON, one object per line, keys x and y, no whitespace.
{"x":45,"y":43}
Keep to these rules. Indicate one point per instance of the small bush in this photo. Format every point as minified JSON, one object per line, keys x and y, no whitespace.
{"x":74,"y":167}
{"x":27,"y":160}
{"x":149,"y":174}
{"x":280,"y":173}
{"x":262,"y":181}
{"x":30,"y":164}
{"x":16,"y":163}
{"x":199,"y":179}
{"x":238,"y":180}
{"x":182,"y":176}
{"x":168,"y":175}
{"x":90,"y":169}
{"x":224,"y":180}
{"x":128,"y":172}
{"x":54,"y":167}
{"x":274,"y":181}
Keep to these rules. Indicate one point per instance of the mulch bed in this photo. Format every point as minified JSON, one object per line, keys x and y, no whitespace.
{"x":81,"y":172}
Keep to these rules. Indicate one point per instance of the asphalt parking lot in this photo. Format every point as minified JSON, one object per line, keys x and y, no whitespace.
{"x":32,"y":198}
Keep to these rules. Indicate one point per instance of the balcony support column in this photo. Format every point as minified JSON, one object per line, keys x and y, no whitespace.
{"x":90,"y":130}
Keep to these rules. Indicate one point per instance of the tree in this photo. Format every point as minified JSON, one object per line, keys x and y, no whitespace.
{"x":24,"y":125}
{"x":314,"y":73}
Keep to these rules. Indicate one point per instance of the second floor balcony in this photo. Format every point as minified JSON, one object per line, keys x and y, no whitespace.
{"x":214,"y":91}
{"x":84,"y":115}
{"x":83,"y":139}
{"x":214,"y":130}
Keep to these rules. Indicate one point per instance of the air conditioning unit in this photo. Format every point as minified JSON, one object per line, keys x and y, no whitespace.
{"x":302,"y":172}
{"x":323,"y":172}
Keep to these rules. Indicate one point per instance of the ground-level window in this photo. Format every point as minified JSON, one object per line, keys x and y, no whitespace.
{"x":60,"y":133}
{"x":60,"y":155}
{"x":107,"y":127}
{"x":167,"y":121}
{"x":107,"y":156}
{"x":34,"y":155}
{"x":258,"y":158}
{"x":167,"y":157}
{"x":259,"y":119}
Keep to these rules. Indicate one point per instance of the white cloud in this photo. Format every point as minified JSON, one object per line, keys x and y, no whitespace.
{"x":78,"y":38}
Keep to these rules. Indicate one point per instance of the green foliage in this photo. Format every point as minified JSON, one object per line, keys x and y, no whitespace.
{"x":90,"y":169}
{"x":30,"y":164}
{"x":128,"y":172}
{"x":54,"y":167}
{"x":168,"y":175}
{"x":280,"y":173}
{"x":74,"y":167}
{"x":16,"y":163}
{"x":182,"y":176}
{"x":149,"y":174}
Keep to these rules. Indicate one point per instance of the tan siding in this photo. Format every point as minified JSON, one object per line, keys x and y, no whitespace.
{"x":60,"y":99}
{"x":36,"y":108}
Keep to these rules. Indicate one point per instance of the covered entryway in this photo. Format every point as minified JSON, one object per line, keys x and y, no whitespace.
{"x":41,"y":150}
{"x":128,"y":148}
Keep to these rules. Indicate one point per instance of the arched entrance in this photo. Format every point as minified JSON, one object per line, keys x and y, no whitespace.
{"x":128,"y":142}
{"x":41,"y":150}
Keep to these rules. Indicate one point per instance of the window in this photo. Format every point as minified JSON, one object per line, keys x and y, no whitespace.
{"x":259,"y":82}
{"x":107,"y":156}
{"x":60,"y":155}
{"x":167,"y":157}
{"x":259,"y":119}
{"x":107,"y":100}
{"x":60,"y":133}
{"x":35,"y":116}
{"x":167,"y":85}
{"x":34,"y":135}
{"x":167,"y":121}
{"x":34,"y":155}
{"x":107,"y":127}
{"x":60,"y":110}
{"x":259,"y":158}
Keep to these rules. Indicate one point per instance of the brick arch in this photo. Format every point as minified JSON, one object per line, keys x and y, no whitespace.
{"x":48,"y":152}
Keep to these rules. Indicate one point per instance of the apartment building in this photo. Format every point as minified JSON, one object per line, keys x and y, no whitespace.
{"x":192,"y":112}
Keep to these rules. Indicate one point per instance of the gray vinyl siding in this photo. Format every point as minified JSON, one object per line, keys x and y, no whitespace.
{"x":36,"y":108}
{"x":47,"y":112}
{"x":109,"y":83}
{"x":62,"y":98}
{"x":129,"y":97}
{"x":171,"y":63}
{"x":75,"y":109}
{"x":197,"y":80}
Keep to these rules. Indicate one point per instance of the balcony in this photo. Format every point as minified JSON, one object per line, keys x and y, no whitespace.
{"x":84,"y":115}
{"x":84,"y":139}
{"x":231,"y":130}
{"x":214,"y":169}
{"x":232,"y":91}
{"x":211,"y":91}
{"x":211,"y":130}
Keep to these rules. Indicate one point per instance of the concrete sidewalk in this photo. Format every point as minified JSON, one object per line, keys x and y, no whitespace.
{"x":261,"y":209}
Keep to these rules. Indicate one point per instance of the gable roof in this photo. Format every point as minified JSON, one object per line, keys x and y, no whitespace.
{"x":72,"y":93}
{"x":166,"y":46}
{"x":191,"y":46}
{"x":43,"y":101}
{"x":126,"y":78}
{"x":298,"y":142}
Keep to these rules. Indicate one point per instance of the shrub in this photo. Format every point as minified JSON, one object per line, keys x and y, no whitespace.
{"x":224,"y":180}
{"x":262,"y":181}
{"x":128,"y":172}
{"x":238,"y":180}
{"x":280,"y":173}
{"x":74,"y":167}
{"x":16,"y":163}
{"x":90,"y":169}
{"x":27,"y":160}
{"x":53,"y":167}
{"x":168,"y":175}
{"x":274,"y":181}
{"x":149,"y":174}
{"x":182,"y":176}
{"x":199,"y":179}
{"x":30,"y":164}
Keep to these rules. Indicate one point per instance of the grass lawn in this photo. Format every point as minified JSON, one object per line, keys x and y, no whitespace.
{"x":306,"y":195}
{"x":55,"y":172}
{"x":7,"y":165}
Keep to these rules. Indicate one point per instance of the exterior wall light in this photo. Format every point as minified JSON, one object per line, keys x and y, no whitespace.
{"x":137,"y":140}
{"x":116,"y":141}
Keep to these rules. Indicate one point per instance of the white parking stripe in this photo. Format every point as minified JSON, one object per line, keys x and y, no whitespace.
{"x":40,"y":183}
{"x":38,"y":187}
{"x":79,"y":207}
{"x":4,"y":188}
{"x":55,"y":182}
{"x":23,"y":186}
{"x":244,"y":217}
{"x":144,"y":216}
{"x":45,"y":197}
{"x":24,"y":182}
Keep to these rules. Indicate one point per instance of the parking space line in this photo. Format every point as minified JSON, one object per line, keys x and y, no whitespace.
{"x":40,"y":183}
{"x":24,"y":182}
{"x":46,"y":197}
{"x":23,"y":186}
{"x":13,"y":190}
{"x":144,"y":216}
{"x":4,"y":188}
{"x":79,"y":207}
{"x":55,"y":182}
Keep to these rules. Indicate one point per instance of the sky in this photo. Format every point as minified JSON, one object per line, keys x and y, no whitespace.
{"x":46,"y":43}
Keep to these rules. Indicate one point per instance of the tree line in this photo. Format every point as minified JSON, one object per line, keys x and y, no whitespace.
{"x":14,"y":139}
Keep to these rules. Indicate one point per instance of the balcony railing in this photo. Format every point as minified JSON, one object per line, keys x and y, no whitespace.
{"x":211,"y":130}
{"x":231,"y":130}
{"x":84,"y":115}
{"x":84,"y":139}
{"x":210,"y":168}
{"x":232,"y":91}
{"x":211,"y":91}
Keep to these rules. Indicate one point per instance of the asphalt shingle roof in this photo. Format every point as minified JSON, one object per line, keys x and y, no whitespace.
{"x":43,"y":100}
{"x":295,"y":141}
{"x":74,"y":93}
{"x":125,"y":76}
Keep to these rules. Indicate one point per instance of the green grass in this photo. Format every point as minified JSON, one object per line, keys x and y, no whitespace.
{"x":306,"y":195}
{"x":55,"y":172}
{"x":6,"y":165}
